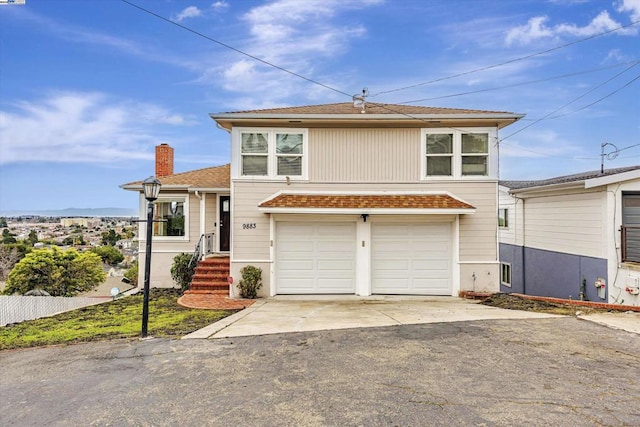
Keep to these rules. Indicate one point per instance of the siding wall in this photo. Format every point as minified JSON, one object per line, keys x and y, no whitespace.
{"x":478,"y":234}
{"x":512,"y":234}
{"x":570,"y":223}
{"x":364,"y":155}
{"x":211,"y":210}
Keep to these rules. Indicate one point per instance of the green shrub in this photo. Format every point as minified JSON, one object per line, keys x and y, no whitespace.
{"x":251,"y":281}
{"x":60,"y":273}
{"x":181,"y":272}
{"x":132,"y":274}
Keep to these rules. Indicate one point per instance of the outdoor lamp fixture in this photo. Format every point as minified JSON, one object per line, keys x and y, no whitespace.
{"x":151,"y":188}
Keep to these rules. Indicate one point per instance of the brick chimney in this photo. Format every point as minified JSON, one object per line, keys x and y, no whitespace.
{"x":164,"y":160}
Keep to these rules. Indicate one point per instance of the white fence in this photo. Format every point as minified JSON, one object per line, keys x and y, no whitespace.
{"x":19,"y":308}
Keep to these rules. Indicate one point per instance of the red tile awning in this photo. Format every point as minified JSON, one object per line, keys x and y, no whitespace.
{"x":362,"y":203}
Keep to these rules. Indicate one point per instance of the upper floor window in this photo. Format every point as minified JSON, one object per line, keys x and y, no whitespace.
{"x":289,"y":151}
{"x":440,"y":154}
{"x":272,"y":153}
{"x":475,"y":150}
{"x":255,"y":154}
{"x":455,"y":153}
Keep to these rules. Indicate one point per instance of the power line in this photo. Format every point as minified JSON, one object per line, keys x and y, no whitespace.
{"x":384,"y":106}
{"x":521,"y":83}
{"x":547,"y":154}
{"x":566,"y":157}
{"x":597,"y":101}
{"x":546,"y":116}
{"x":235,"y":49}
{"x":511,"y":61}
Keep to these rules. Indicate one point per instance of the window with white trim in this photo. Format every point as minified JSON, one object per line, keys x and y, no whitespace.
{"x":505,"y":274}
{"x":255,"y":154}
{"x":475,"y":150}
{"x":453,"y":153}
{"x":503,"y":218}
{"x":273,"y":153}
{"x":439,"y":154}
{"x":169,"y":217}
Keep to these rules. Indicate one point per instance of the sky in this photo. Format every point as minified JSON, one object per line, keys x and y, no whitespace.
{"x":89,"y":88}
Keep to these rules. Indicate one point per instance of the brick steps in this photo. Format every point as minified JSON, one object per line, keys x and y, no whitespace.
{"x":210,"y":277}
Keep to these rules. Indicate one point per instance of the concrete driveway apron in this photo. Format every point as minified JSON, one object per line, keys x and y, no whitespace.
{"x":282,"y":314}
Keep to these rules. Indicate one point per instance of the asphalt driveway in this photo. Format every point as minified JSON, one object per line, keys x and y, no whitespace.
{"x":558,"y":371}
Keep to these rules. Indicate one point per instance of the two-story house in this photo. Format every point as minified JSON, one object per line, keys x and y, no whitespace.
{"x":332,"y":199}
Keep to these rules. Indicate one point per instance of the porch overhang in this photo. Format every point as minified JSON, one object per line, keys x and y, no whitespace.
{"x":366,"y":203}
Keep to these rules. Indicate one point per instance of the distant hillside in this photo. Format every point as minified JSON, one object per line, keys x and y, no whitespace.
{"x":71,"y":212}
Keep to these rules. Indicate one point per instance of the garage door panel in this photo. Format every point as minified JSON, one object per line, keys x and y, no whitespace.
{"x":337,"y":265}
{"x":324,"y":263}
{"x":295,"y":230}
{"x":295,"y":285}
{"x":334,"y":246}
{"x":290,"y":266}
{"x":296,"y":246}
{"x":334,"y":284}
{"x":411,"y":258}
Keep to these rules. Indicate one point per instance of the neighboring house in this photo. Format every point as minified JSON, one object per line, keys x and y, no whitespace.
{"x":575,"y":236}
{"x":332,"y":199}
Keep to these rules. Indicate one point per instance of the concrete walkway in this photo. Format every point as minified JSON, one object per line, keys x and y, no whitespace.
{"x":282,"y":314}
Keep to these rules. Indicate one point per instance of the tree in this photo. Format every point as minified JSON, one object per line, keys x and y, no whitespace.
{"x":7,"y":237}
{"x":132,"y":274}
{"x":3,"y":222}
{"x":33,"y":237}
{"x":109,"y":254}
{"x":110,"y":237}
{"x":61,"y":273}
{"x":9,"y":256}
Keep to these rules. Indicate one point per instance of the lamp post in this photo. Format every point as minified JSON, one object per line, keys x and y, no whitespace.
{"x":151,"y":188}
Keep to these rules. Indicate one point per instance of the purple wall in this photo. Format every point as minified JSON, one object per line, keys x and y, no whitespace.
{"x":551,"y":274}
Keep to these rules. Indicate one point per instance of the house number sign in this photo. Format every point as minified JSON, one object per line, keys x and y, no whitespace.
{"x":249,"y":226}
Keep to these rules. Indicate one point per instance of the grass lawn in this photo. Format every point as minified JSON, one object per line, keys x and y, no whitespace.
{"x":121,"y":318}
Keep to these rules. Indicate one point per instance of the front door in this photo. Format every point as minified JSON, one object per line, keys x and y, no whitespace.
{"x":225,"y":222}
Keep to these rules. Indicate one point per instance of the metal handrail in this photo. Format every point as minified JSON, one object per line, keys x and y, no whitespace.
{"x":202,"y":248}
{"x":624,"y":242}
{"x":197,"y":254}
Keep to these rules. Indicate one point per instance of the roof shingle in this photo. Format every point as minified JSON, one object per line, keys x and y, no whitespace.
{"x":371,"y":108}
{"x":517,"y":185}
{"x":213,"y":177}
{"x":366,"y":201}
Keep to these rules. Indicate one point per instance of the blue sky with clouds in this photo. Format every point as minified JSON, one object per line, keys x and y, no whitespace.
{"x":88,"y":88}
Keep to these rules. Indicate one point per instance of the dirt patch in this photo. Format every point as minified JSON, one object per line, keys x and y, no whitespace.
{"x":513,"y":302}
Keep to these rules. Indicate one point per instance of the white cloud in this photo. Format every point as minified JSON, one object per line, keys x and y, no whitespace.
{"x":631,"y":6}
{"x":82,"y":127}
{"x":298,"y":43}
{"x":188,"y":12}
{"x":536,"y":28}
{"x":220,"y":5}
{"x":599,"y":24}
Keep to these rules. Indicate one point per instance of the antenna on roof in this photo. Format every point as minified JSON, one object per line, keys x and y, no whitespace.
{"x":360,"y":101}
{"x":610,"y":156}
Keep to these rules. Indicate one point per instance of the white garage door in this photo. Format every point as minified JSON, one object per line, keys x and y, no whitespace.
{"x":411,"y":258}
{"x":315,"y":258}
